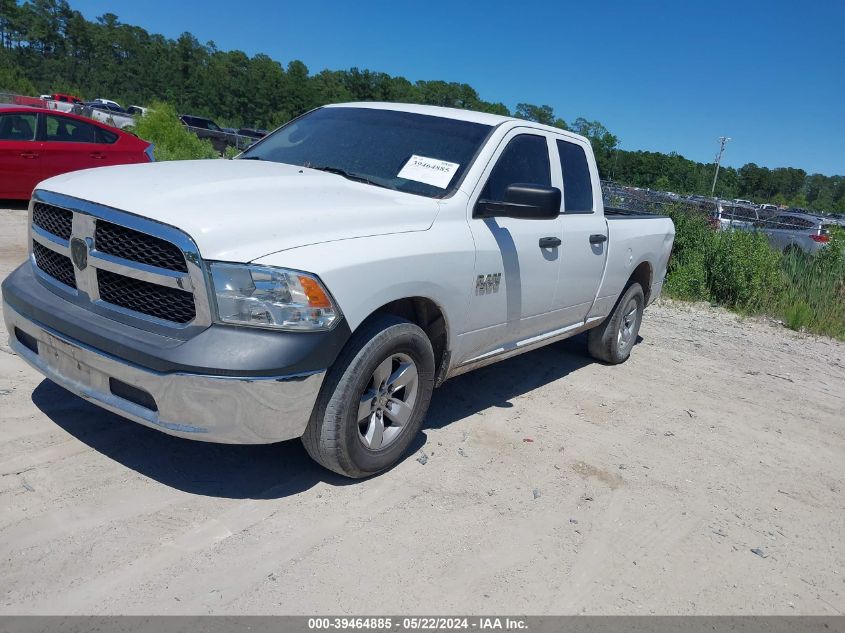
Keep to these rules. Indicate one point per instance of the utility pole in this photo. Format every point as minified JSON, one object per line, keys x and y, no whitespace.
{"x":723,"y":140}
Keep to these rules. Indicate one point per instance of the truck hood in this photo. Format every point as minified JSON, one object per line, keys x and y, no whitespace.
{"x":240,"y":210}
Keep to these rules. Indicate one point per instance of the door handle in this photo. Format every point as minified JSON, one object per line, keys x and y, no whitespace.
{"x":29,"y":155}
{"x":598,"y":238}
{"x":549,"y":242}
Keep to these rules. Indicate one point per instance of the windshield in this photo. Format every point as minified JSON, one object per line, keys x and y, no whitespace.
{"x":408,"y":152}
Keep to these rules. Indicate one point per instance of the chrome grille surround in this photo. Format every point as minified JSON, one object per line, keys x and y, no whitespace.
{"x":87,"y":292}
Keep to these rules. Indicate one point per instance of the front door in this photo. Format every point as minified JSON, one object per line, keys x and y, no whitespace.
{"x":515,"y":274}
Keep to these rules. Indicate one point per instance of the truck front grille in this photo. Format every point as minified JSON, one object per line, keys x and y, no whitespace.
{"x":131,"y":269}
{"x":135,"y":246}
{"x":53,"y":264}
{"x":53,"y":219}
{"x":169,"y":304}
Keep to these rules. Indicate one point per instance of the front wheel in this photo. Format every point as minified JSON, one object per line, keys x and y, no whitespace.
{"x":613,"y":340}
{"x":373,"y":400}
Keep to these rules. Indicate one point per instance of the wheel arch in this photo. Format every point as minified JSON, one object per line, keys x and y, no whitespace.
{"x":431,"y":319}
{"x":642,"y":275}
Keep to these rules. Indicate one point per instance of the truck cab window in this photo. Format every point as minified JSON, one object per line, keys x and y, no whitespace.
{"x":525,"y":160}
{"x":577,"y":185}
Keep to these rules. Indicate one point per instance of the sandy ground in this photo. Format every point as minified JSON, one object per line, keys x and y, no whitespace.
{"x":553,"y":484}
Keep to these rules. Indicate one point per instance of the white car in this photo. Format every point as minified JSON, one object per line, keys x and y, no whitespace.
{"x":107,"y":112}
{"x":728,"y":216}
{"x":323,"y":284}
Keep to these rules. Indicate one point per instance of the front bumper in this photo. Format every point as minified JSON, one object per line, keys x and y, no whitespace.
{"x":226,"y":409}
{"x":234,"y":385}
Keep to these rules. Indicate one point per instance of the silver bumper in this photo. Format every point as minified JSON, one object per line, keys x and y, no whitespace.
{"x":230,"y":410}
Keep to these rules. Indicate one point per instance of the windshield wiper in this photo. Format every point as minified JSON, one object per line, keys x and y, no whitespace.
{"x":346,"y":174}
{"x":250,"y":158}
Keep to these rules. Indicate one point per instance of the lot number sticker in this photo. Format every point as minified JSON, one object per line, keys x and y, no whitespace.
{"x":431,"y":171}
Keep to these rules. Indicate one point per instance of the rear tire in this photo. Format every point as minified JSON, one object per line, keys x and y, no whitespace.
{"x":613,"y":340}
{"x":373,"y":399}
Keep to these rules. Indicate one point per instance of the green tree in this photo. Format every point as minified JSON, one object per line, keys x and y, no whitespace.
{"x":604,"y":143}
{"x":539,"y":114}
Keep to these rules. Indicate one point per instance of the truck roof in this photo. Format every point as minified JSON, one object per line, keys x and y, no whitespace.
{"x":446,"y":113}
{"x":451,"y":113}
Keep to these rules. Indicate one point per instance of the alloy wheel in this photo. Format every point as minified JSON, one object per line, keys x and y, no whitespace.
{"x":627,"y":325}
{"x":387,"y":404}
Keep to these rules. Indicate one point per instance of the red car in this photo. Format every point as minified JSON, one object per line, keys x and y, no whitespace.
{"x":36,"y":144}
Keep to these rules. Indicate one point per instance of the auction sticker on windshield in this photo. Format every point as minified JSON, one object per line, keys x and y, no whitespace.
{"x":431,"y":171}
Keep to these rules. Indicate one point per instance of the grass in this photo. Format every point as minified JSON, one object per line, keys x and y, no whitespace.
{"x":740,"y":271}
{"x":814,"y":294}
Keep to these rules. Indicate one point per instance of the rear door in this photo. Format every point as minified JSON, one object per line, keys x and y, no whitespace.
{"x":797,"y":232}
{"x":70,"y":144}
{"x":515,"y":276}
{"x":585,"y":233}
{"x":113,"y":149}
{"x":20,"y":154}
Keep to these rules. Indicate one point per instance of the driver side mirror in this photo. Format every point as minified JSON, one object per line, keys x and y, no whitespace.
{"x":522,"y":201}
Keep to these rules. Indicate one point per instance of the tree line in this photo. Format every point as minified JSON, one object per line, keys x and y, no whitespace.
{"x":48,"y":47}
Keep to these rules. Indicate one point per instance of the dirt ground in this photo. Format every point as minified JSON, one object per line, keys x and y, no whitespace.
{"x":704,"y":476}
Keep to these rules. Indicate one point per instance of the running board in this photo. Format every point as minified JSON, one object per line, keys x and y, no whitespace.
{"x":523,"y":346}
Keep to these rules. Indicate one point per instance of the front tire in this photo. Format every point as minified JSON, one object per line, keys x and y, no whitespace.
{"x":373,"y":400}
{"x":613,"y":340}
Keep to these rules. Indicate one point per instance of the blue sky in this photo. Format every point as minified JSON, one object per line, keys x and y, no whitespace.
{"x":664,"y":76}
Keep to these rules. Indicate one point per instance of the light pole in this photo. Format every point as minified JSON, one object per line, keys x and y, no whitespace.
{"x":723,"y":140}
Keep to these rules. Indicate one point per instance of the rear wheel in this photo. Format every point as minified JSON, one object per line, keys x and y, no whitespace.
{"x":373,"y":400}
{"x":613,"y":340}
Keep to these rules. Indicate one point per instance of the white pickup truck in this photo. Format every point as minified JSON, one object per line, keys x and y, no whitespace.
{"x":321,"y":285}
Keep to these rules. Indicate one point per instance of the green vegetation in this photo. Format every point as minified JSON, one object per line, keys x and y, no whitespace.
{"x":171,"y":141}
{"x":739,"y":270}
{"x":47,"y":47}
{"x":813,"y":296}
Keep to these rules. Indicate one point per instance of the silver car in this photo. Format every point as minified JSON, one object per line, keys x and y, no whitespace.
{"x":797,"y":232}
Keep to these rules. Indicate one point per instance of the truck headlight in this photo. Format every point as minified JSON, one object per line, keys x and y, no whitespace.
{"x":263,"y":296}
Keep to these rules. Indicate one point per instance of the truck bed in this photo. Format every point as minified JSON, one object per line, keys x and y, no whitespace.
{"x":632,"y":244}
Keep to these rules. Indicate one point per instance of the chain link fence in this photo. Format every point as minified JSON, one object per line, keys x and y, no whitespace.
{"x":808,"y":227}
